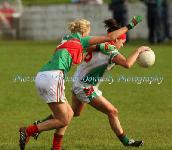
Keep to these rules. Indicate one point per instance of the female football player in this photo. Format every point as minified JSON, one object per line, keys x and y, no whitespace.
{"x":88,"y":75}
{"x":50,"y":79}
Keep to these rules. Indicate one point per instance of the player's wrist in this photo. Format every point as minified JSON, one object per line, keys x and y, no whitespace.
{"x":138,"y":50}
{"x":97,"y":47}
{"x":130,"y":26}
{"x":136,"y":20}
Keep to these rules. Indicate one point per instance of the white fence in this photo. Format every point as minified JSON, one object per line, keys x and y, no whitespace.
{"x":50,"y":22}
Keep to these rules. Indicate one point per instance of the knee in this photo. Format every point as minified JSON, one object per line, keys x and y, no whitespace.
{"x":66,"y":120}
{"x":70,"y":115}
{"x":113,"y":112}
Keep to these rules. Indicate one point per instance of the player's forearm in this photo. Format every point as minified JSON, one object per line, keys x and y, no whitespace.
{"x":126,"y":62}
{"x":99,"y":39}
{"x":91,"y":48}
{"x":115,"y":34}
{"x":132,"y":59}
{"x":111,"y":37}
{"x":135,"y":20}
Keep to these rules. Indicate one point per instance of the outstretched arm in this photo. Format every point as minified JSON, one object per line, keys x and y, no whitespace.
{"x":111,"y":37}
{"x":91,"y":48}
{"x":115,"y":34}
{"x":129,"y":62}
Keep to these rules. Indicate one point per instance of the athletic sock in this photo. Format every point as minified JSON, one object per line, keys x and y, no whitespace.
{"x":47,"y":118}
{"x":123,"y":138}
{"x":32,"y":129}
{"x":57,"y":141}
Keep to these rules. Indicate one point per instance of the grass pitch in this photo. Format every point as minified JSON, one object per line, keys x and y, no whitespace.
{"x":145,"y":109}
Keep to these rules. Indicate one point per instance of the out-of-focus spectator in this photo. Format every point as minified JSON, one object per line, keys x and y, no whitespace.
{"x":165,"y":21}
{"x":88,"y":1}
{"x":10,"y":13}
{"x":154,"y":20}
{"x":6,"y":14}
{"x":75,"y":1}
{"x":119,"y":9}
{"x":92,"y":1}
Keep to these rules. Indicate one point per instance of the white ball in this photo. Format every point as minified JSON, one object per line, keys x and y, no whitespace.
{"x":146,"y":59}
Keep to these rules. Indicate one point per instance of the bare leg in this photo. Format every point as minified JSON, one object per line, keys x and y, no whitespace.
{"x":62,"y":115}
{"x":61,"y":131}
{"x":77,"y":106}
{"x":106,"y":107}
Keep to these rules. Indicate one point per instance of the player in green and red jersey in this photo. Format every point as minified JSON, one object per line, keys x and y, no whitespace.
{"x":50,"y":79}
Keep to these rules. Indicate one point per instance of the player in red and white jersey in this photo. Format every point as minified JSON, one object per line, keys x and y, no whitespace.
{"x":88,"y":77}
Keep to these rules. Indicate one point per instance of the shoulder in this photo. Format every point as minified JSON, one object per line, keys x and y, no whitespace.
{"x":71,"y":35}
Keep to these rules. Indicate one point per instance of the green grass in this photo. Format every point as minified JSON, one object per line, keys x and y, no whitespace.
{"x":144,"y":109}
{"x":46,"y":2}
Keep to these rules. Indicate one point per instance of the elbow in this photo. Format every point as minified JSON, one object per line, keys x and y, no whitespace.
{"x":127,"y":66}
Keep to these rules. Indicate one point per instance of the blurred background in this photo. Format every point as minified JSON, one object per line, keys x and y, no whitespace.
{"x":30,"y":30}
{"x":47,"y":19}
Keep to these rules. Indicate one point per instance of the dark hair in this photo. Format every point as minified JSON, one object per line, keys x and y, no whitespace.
{"x":111,"y":25}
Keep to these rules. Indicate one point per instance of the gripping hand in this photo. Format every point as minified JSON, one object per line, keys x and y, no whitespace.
{"x":134,"y":22}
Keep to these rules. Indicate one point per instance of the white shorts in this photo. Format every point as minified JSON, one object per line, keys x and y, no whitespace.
{"x":50,"y":86}
{"x":85,"y":93}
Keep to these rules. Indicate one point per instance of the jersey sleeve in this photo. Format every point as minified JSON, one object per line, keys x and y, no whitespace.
{"x":114,"y":53}
{"x":106,"y":48}
{"x":85,"y":41}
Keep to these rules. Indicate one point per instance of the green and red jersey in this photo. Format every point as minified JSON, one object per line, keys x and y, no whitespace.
{"x":69,"y":51}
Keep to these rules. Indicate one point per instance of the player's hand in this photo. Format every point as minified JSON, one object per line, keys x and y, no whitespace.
{"x":105,"y":48}
{"x":134,"y":22}
{"x":143,"y":48}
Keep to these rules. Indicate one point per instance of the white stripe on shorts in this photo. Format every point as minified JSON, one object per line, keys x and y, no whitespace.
{"x":60,"y":88}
